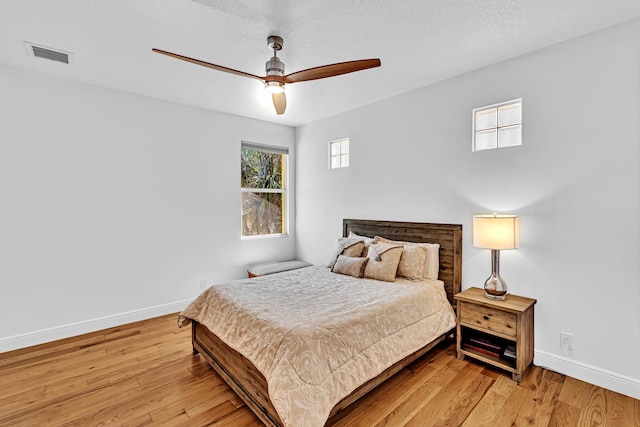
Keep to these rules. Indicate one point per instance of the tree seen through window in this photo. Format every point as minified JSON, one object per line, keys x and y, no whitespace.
{"x":263,"y":190}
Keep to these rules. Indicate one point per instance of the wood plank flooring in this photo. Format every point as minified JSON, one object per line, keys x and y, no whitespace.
{"x":144,"y":373}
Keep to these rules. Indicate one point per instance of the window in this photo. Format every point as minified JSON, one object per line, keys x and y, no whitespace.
{"x":497,"y":126}
{"x":339,"y":153}
{"x":264,"y":189}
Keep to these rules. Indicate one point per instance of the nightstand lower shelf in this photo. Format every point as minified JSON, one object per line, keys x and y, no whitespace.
{"x":487,"y":348}
{"x":491,"y":360}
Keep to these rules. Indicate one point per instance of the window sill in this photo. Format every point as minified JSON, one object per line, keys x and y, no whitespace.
{"x":266,"y":236}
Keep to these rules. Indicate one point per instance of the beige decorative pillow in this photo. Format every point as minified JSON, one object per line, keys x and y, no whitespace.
{"x":347,"y":247}
{"x":412,"y":262}
{"x":354,"y":250}
{"x":432,"y":260}
{"x":383,"y":261}
{"x":350,"y":266}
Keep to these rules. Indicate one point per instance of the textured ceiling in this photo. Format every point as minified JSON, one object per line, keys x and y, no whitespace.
{"x":418,"y":41}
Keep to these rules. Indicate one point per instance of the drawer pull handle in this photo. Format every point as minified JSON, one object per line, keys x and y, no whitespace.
{"x":485,"y":317}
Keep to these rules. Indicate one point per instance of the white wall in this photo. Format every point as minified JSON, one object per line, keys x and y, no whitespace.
{"x":574,"y":182}
{"x":115,"y":206}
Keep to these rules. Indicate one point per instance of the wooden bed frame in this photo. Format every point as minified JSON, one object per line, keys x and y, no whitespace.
{"x":250,"y":385}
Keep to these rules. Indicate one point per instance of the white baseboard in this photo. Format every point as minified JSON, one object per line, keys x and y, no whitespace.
{"x":591,"y":374}
{"x":65,"y":331}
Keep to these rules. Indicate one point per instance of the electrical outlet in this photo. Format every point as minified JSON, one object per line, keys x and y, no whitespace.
{"x":203,"y":285}
{"x":566,"y":344}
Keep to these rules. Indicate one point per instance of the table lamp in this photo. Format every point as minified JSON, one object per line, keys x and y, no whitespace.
{"x":496,"y":232}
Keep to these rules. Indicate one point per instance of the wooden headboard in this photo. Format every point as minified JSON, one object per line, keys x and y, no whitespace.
{"x":449,"y":236}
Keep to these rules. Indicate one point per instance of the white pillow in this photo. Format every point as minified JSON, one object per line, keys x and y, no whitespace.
{"x":367,"y":240}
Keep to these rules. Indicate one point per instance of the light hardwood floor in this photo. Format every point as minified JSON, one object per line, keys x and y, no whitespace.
{"x":144,"y":373}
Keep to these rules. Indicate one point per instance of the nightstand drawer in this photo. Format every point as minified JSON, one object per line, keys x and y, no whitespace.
{"x":489,"y":318}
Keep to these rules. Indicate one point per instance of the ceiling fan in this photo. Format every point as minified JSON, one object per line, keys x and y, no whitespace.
{"x":275,"y":79}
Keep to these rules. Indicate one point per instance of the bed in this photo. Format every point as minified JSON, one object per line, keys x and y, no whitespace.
{"x":303,"y":368}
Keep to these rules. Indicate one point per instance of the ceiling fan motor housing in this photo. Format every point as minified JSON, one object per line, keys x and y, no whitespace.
{"x":274,"y":67}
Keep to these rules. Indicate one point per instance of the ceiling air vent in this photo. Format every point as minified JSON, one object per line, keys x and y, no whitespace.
{"x":48,"y":53}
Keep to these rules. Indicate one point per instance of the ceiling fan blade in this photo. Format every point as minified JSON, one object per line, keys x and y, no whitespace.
{"x":325,"y":71}
{"x":280,"y":102}
{"x":208,"y":65}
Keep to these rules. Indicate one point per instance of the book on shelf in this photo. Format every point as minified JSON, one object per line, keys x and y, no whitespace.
{"x":469,"y":346}
{"x":485,"y":343}
{"x":509,"y":352}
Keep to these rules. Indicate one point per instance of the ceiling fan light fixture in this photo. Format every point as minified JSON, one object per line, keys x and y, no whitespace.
{"x":274,"y":87}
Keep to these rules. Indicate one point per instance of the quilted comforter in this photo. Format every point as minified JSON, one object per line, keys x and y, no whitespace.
{"x":317,"y":335}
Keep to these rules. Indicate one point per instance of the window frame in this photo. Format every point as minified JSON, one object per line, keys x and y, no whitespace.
{"x":340,"y":141}
{"x":284,"y":190}
{"x":498,"y":126}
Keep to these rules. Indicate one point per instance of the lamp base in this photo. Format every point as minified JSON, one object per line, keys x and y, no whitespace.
{"x":494,"y":286}
{"x":491,"y":294}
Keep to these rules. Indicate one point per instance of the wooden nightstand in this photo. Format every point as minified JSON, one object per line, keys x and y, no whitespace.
{"x":487,"y":327}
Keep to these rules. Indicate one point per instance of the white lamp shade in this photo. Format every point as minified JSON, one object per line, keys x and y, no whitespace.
{"x":496,"y":231}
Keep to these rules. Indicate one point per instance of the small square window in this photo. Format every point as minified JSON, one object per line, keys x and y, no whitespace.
{"x":497,"y":126}
{"x":339,"y":153}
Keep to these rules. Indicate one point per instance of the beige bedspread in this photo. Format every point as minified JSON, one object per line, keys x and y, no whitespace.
{"x":317,"y":335}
